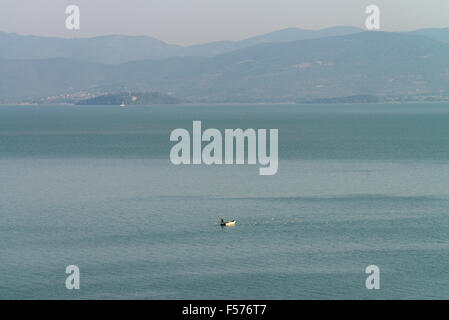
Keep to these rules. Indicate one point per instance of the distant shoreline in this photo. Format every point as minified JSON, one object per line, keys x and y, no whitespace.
{"x":220,"y":104}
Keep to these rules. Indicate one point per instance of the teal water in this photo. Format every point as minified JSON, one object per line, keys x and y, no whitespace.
{"x":93,"y":186}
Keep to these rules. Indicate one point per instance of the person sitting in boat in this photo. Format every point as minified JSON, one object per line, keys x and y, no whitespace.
{"x":222,"y":222}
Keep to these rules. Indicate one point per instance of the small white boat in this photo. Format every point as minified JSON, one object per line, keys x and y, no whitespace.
{"x":123,"y":104}
{"x":228,"y":224}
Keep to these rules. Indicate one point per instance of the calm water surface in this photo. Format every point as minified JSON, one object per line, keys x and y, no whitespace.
{"x":93,"y":186}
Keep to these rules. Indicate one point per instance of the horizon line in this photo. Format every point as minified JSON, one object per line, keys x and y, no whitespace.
{"x":214,"y":41}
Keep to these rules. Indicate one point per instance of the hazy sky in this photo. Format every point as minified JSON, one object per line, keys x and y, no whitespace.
{"x":197,"y":21}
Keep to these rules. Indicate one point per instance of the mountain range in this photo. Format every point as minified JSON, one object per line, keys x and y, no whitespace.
{"x":284,"y":66}
{"x":115,"y":49}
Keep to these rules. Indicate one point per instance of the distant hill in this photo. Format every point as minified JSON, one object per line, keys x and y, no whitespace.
{"x":31,"y":79}
{"x":116,"y":49}
{"x":104,"y":49}
{"x":390,"y":66}
{"x":436,"y":34}
{"x":131,"y":98}
{"x":284,"y":35}
{"x":351,"y":99}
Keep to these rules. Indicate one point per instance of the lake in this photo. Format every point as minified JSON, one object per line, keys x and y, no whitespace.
{"x":93,"y":186}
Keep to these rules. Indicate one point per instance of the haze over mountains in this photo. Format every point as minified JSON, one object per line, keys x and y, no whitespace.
{"x":284,"y":66}
{"x":116,"y":49}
